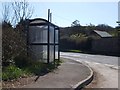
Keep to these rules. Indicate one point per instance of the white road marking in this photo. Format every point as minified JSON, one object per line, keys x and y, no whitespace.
{"x":108,"y":65}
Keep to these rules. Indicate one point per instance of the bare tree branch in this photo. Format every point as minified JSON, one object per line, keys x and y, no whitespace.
{"x":15,"y":12}
{"x":22,"y":11}
{"x":6,"y":12}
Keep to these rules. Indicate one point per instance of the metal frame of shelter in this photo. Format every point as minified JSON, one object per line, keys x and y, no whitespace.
{"x":44,"y":23}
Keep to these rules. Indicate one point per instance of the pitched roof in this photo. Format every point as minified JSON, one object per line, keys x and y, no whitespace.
{"x":102,"y":33}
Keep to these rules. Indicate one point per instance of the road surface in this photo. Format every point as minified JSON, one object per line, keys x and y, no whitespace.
{"x":105,"y":68}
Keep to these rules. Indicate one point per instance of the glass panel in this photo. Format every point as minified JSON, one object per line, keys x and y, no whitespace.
{"x":51,"y":57}
{"x":39,"y":52}
{"x":38,"y":34}
{"x":56,"y":51}
{"x":51,"y":34}
{"x":56,"y":36}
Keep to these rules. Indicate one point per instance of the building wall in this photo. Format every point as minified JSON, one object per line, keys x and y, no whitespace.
{"x":105,"y":45}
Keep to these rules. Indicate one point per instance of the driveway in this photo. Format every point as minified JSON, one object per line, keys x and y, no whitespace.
{"x":105,"y":68}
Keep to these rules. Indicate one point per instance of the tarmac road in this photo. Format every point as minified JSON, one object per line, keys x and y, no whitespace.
{"x":110,"y":60}
{"x":105,"y":68}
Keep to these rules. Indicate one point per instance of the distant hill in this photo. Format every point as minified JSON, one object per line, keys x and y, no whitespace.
{"x":86,"y":30}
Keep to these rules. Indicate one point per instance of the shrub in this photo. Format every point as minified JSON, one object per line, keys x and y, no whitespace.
{"x":39,"y":68}
{"x":58,"y":62}
{"x":13,"y":43}
{"x":76,"y":41}
{"x":11,"y":72}
{"x":36,"y":68}
{"x":22,"y":61}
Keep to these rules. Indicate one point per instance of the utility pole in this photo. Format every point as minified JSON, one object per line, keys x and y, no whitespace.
{"x":49,"y":16}
{"x":118,"y":13}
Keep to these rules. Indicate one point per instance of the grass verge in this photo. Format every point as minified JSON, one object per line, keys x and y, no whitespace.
{"x":12,"y":72}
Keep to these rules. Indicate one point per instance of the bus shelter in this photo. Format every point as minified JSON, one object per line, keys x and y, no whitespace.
{"x":43,"y":40}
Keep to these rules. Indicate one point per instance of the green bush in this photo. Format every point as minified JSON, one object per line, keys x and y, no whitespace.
{"x":58,"y":62}
{"x":13,"y":44}
{"x":75,"y":42}
{"x":11,"y":72}
{"x":22,"y":61}
{"x":37,"y":68}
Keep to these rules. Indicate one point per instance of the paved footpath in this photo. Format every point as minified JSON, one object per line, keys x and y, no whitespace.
{"x":68,"y":74}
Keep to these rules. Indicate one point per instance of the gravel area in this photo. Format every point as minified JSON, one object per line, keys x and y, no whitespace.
{"x":19,"y":82}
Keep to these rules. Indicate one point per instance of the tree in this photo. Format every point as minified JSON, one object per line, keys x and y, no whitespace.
{"x":6,"y":12}
{"x":13,"y":41}
{"x":89,"y":28}
{"x":104,"y":27}
{"x":19,"y":11}
{"x":75,"y":23}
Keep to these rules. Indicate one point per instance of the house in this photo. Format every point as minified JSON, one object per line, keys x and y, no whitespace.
{"x":102,"y":34}
{"x":105,"y":44}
